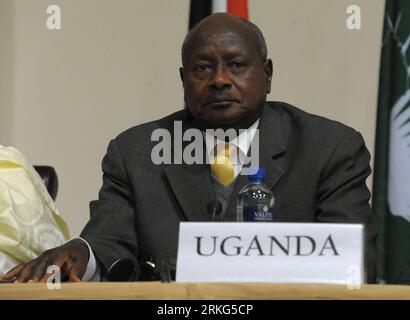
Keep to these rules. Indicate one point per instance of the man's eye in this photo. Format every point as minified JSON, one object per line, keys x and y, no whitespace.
{"x":201,"y":68}
{"x":238,"y":66}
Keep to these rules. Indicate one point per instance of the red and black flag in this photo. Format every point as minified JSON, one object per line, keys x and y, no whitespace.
{"x":202,"y":8}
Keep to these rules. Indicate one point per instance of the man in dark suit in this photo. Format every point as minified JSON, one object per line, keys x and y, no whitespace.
{"x":316,"y":168}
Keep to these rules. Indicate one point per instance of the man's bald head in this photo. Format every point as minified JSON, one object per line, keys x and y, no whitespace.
{"x":223,"y":22}
{"x":225,"y":74}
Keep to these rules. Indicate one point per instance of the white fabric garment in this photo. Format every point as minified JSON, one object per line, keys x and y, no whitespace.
{"x":29,"y":220}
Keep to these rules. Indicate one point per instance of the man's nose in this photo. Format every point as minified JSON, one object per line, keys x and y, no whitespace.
{"x":221,"y":79}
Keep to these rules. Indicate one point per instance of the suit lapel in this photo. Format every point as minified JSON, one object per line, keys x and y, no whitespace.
{"x":192,"y":187}
{"x":272,"y":141}
{"x":191,"y":184}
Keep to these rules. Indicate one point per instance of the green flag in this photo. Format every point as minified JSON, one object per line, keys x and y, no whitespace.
{"x":391,"y":190}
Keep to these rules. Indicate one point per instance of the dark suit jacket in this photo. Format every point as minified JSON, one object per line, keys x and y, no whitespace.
{"x":315,"y":167}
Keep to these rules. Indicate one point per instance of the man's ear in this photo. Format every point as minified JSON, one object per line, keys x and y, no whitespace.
{"x":181,"y":74}
{"x":268,"y":68}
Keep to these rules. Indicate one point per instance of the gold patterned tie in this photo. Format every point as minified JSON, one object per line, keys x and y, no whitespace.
{"x":221,"y":164}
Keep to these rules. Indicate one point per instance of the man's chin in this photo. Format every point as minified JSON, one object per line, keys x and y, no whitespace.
{"x":224,"y":123}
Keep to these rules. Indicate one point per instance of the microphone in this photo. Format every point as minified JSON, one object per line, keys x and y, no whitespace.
{"x":125,"y":270}
{"x":164,"y":272}
{"x":122,"y":270}
{"x":148,"y":272}
{"x":214,"y":208}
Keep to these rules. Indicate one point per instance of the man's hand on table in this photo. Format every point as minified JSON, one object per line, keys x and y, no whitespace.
{"x":71,"y":258}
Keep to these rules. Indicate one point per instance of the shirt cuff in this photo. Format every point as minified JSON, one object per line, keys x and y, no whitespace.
{"x":92,"y":273}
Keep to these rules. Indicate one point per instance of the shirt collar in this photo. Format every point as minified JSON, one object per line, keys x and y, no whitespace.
{"x":242,"y":141}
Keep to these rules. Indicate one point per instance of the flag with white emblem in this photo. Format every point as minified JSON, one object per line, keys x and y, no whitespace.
{"x":391,"y":196}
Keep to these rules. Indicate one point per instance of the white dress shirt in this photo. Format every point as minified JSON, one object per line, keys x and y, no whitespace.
{"x":242,"y":142}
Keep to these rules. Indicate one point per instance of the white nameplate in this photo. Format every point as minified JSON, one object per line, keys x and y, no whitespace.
{"x":270,"y":252}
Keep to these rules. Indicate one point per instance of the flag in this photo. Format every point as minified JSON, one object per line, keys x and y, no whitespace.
{"x":202,"y":8}
{"x":391,"y":189}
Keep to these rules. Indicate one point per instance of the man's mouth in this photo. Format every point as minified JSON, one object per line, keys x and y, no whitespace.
{"x":220,"y":103}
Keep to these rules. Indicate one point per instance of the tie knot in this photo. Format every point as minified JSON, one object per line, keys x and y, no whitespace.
{"x":222,"y":164}
{"x":224,"y":149}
